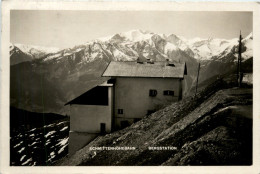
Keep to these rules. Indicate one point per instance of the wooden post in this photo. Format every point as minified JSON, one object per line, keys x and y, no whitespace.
{"x":197,"y":79}
{"x":238,"y":70}
{"x":239,"y":60}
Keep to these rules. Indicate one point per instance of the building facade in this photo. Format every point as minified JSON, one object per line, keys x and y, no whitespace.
{"x":90,"y":116}
{"x":137,"y":97}
{"x":135,"y":89}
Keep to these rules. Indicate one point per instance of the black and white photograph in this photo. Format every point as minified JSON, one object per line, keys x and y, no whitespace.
{"x":130,"y":87}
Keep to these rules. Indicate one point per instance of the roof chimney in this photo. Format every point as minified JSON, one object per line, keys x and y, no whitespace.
{"x":167,"y":62}
{"x":150,"y":61}
{"x":139,"y":60}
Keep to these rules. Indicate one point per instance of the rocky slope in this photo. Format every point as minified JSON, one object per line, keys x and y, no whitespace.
{"x":37,"y":139}
{"x":214,"y":128}
{"x":42,"y":80}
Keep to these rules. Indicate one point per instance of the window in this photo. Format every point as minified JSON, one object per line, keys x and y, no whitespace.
{"x":152,"y":93}
{"x":120,"y":111}
{"x":168,"y":92}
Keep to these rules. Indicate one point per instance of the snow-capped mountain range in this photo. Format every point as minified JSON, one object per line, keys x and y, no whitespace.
{"x":59,"y":75}
{"x":199,"y":48}
{"x":34,"y":50}
{"x":129,"y":45}
{"x":21,"y":53}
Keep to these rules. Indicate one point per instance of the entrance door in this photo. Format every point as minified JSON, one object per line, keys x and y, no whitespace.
{"x":102,"y":128}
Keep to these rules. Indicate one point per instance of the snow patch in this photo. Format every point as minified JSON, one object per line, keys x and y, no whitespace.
{"x":67,"y":54}
{"x":79,"y":49}
{"x":136,"y":35}
{"x":52,"y":154}
{"x":62,"y":122}
{"x":22,"y":149}
{"x":54,"y":56}
{"x":27,"y":161}
{"x":62,"y":149}
{"x":18,"y":144}
{"x":33,"y":143}
{"x":50,"y":125}
{"x":169,"y":47}
{"x":49,"y":133}
{"x":28,"y":48}
{"x":32,"y":130}
{"x":22,"y":157}
{"x":94,"y":55}
{"x":63,"y":142}
{"x":63,"y":129}
{"x":105,"y":39}
{"x":248,"y":78}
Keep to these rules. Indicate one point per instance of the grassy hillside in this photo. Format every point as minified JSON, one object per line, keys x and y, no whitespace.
{"x":213,"y":128}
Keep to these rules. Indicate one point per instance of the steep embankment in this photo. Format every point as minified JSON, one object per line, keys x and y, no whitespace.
{"x":214,"y":128}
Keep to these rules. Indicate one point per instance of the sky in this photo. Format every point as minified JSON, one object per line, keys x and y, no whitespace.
{"x":69,"y":28}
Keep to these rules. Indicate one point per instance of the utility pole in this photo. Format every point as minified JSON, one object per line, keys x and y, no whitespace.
{"x":197,"y":79}
{"x":239,"y":61}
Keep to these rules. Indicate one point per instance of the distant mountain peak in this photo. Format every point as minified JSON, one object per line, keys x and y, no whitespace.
{"x":135,"y":43}
{"x":249,"y":36}
{"x":136,"y":35}
{"x":28,"y":48}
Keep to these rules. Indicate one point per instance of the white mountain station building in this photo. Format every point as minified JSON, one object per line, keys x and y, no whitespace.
{"x":134,"y":90}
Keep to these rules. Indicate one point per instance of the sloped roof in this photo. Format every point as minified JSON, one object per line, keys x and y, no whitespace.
{"x":95,"y":96}
{"x":134,"y":69}
{"x":98,"y":95}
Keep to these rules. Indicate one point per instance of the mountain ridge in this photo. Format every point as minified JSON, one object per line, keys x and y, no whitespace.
{"x":46,"y":82}
{"x":200,"y":49}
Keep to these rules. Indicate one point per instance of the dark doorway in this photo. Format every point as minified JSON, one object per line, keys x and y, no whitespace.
{"x":102,"y":128}
{"x":124,"y":124}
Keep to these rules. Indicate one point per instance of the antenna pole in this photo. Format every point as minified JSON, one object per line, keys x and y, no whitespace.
{"x":197,"y":79}
{"x":239,"y":61}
